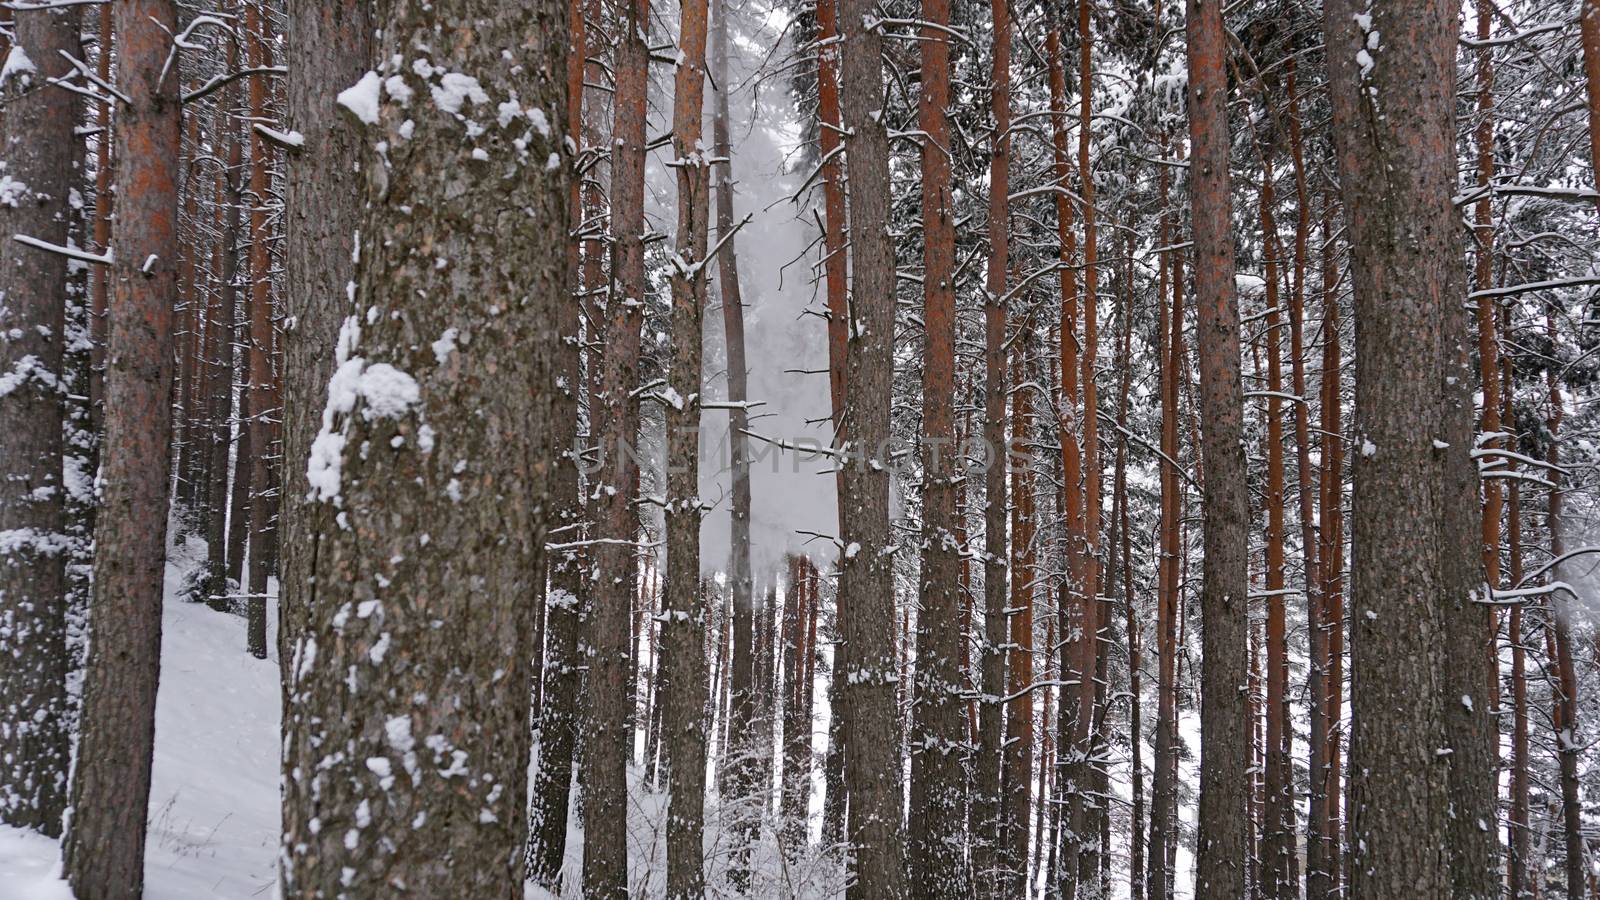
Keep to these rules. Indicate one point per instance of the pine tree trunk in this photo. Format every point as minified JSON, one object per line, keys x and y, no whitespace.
{"x":1394,"y":129}
{"x":1565,"y":714}
{"x":434,"y":451}
{"x":683,"y":619}
{"x":1278,"y":836}
{"x":608,"y":738}
{"x":35,"y":130}
{"x":872,"y":768}
{"x":220,"y":541}
{"x":104,"y":848}
{"x":1017,"y":774}
{"x":986,"y":809}
{"x":1224,"y":746}
{"x":1164,"y":797}
{"x":739,"y":583}
{"x":938,"y":732}
{"x":556,"y":722}
{"x":263,"y":511}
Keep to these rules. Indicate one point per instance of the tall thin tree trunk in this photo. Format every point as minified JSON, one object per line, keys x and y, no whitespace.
{"x":419,"y":588}
{"x":36,"y":128}
{"x":608,"y":743}
{"x":1278,"y":837}
{"x":1565,"y":714}
{"x":683,"y":619}
{"x":1163,"y":800}
{"x":739,"y":581}
{"x":1136,"y":824}
{"x":1332,"y":547}
{"x":1088,"y":806}
{"x":872,"y":768}
{"x":1017,"y":799}
{"x":557,"y":719}
{"x":1224,"y":747}
{"x":986,"y":812}
{"x":104,"y":849}
{"x":223,"y":542}
{"x":263,"y":511}
{"x":938,"y":732}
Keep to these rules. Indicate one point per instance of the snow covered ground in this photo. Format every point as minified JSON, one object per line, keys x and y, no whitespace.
{"x":214,"y":789}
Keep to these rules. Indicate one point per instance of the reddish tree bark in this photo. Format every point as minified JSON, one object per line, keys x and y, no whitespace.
{"x":938,"y":776}
{"x":104,"y":848}
{"x":1224,"y":747}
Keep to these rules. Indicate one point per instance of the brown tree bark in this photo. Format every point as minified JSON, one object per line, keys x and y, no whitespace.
{"x":434,"y":449}
{"x":263,"y":405}
{"x":558,"y":717}
{"x":683,"y":662}
{"x":740,"y":586}
{"x":1224,"y":747}
{"x":1164,"y":797}
{"x":1017,"y":775}
{"x":1394,"y":130}
{"x":1124,"y":549}
{"x":104,"y":201}
{"x":36,"y":127}
{"x":104,"y":847}
{"x":1331,"y":550}
{"x":872,"y":769}
{"x":1086,"y":804}
{"x":938,"y":731}
{"x":1564,"y":717}
{"x":1589,"y":21}
{"x":608,"y":738}
{"x":221,"y":541}
{"x":836,"y":283}
{"x":1278,"y":823}
{"x":987,"y":780}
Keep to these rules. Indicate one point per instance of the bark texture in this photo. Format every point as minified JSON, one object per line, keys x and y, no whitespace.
{"x":872,"y":768}
{"x":1394,"y":130}
{"x":1224,"y":744}
{"x":35,"y":129}
{"x":412,"y":666}
{"x":683,"y":614}
{"x":104,"y":849}
{"x":938,"y":732}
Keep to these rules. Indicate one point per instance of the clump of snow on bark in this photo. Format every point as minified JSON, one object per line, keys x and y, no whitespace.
{"x":12,"y":192}
{"x":389,"y":393}
{"x":361,"y":98}
{"x":18,"y":66}
{"x":454,"y":89}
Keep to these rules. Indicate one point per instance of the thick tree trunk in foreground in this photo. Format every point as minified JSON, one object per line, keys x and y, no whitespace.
{"x":872,"y":768}
{"x":433,"y":449}
{"x":329,"y":46}
{"x":683,"y":615}
{"x":1394,"y":129}
{"x":938,"y":737}
{"x":608,"y":742}
{"x":1224,"y":746}
{"x":35,"y":130}
{"x":104,"y":850}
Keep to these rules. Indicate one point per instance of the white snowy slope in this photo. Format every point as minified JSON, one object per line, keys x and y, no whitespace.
{"x":214,"y":789}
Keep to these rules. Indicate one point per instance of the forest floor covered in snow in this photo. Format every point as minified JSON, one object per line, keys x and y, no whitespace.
{"x":214,"y":823}
{"x":214,"y":799}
